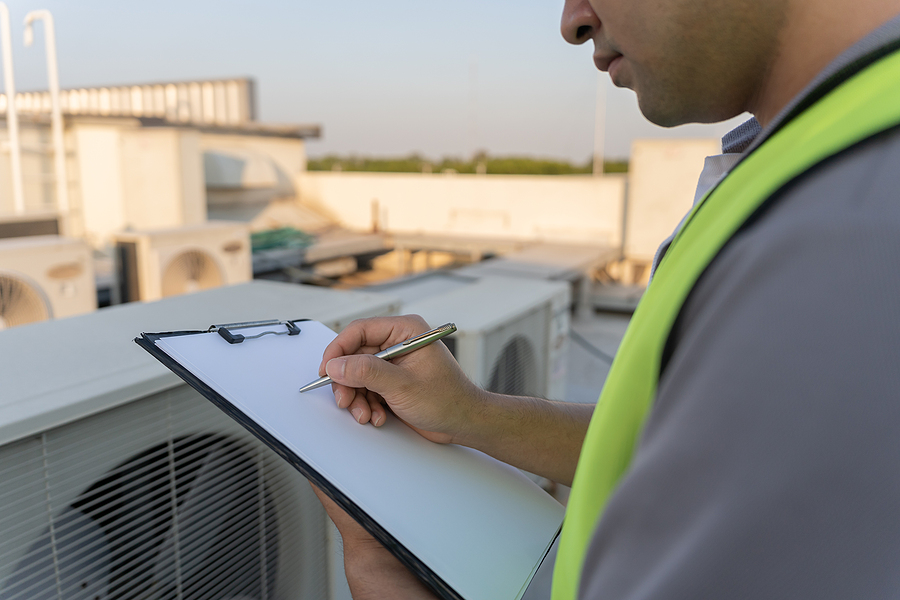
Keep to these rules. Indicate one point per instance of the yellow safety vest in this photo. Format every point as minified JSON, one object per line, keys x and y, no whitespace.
{"x":864,"y":105}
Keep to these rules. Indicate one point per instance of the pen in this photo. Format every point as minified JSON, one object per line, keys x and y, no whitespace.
{"x":396,"y":350}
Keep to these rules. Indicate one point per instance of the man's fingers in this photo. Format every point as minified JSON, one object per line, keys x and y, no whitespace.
{"x":359,"y":407}
{"x":366,"y":371}
{"x":368,"y":336}
{"x":379,"y":412}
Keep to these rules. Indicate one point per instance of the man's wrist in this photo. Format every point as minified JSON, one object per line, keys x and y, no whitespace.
{"x":488,"y":414}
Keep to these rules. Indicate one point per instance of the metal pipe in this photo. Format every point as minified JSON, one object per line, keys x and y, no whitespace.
{"x":56,"y":122}
{"x":12,"y":117}
{"x":600,"y":125}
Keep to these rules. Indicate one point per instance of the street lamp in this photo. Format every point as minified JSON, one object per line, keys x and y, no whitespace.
{"x":56,"y":122}
{"x":12,"y":117}
{"x":600,"y":125}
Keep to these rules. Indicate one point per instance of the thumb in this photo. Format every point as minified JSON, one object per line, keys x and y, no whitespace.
{"x":365,"y":371}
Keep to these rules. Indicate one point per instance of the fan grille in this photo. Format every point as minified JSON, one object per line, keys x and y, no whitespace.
{"x":514,"y":371}
{"x":20,"y":303}
{"x":190,"y":271}
{"x":165,"y":498}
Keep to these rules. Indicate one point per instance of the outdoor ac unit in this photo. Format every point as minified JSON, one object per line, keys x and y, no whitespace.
{"x":169,"y":262}
{"x":119,"y":481}
{"x":44,"y":277}
{"x":512,"y":333}
{"x":44,"y":223}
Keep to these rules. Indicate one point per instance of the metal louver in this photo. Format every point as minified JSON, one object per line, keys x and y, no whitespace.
{"x":159,"y":499}
{"x":20,"y":303}
{"x":190,"y":271}
{"x":514,"y":371}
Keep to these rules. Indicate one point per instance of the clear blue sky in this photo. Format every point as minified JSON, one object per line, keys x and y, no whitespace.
{"x":382,"y":78}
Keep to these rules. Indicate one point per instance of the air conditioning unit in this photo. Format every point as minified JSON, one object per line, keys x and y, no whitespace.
{"x":119,"y":481}
{"x":44,"y":223}
{"x":169,"y":262}
{"x":512,"y":332}
{"x":44,"y":277}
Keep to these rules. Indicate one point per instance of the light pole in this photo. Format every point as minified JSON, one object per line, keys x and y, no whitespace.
{"x":600,"y":125}
{"x":56,"y":122}
{"x":12,"y":117}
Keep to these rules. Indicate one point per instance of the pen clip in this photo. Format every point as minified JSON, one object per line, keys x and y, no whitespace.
{"x":428,"y":334}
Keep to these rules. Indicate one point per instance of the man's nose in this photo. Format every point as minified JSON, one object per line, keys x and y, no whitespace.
{"x":579,"y":21}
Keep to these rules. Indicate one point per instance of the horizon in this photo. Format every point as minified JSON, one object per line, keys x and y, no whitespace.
{"x":390,"y":80}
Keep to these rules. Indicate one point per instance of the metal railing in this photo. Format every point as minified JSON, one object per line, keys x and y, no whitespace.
{"x":215,"y":102}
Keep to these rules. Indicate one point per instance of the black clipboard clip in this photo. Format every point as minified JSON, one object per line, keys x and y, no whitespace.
{"x":226,"y":330}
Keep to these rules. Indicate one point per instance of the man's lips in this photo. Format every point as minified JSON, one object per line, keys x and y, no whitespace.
{"x":605,"y":61}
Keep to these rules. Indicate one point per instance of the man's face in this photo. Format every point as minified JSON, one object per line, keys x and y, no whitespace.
{"x":687,"y":60}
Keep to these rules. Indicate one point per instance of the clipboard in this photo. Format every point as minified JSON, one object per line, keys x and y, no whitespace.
{"x":468,"y":526}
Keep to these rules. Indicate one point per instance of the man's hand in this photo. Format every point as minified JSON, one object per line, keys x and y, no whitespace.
{"x":372,"y":571}
{"x":425,"y":388}
{"x":428,"y":391}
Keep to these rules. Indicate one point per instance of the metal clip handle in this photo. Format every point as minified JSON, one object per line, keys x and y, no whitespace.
{"x":226,"y":330}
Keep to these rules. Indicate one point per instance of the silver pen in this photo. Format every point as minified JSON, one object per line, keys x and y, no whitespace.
{"x":396,"y":350}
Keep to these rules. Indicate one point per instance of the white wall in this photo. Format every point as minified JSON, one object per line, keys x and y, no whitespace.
{"x":562,"y":208}
{"x":104,"y":210}
{"x":126,"y":176}
{"x":663,"y":178}
{"x":163,"y":178}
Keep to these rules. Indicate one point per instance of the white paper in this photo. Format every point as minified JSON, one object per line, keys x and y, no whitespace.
{"x":479,"y":524}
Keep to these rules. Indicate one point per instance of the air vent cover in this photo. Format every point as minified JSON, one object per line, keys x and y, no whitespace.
{"x":20,"y":303}
{"x":190,"y":271}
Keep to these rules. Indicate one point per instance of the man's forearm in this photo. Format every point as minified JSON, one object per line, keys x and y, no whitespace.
{"x":543,"y":437}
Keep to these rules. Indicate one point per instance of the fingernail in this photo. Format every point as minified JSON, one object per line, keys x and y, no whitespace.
{"x":338,"y":396}
{"x":376,"y":419}
{"x":357,"y":413}
{"x":335,"y":368}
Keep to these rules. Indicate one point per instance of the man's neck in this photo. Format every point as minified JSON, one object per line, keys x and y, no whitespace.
{"x":816,"y":32}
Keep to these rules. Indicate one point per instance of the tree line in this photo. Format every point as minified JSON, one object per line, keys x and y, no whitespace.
{"x":480,"y":163}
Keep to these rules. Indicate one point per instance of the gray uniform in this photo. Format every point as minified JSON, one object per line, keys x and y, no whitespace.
{"x":770,"y":463}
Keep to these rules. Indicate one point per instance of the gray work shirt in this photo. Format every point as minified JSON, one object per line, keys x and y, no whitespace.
{"x":769,"y":466}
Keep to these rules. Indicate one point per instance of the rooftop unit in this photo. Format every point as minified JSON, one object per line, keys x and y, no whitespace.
{"x":570,"y":263}
{"x":119,"y":481}
{"x":512,"y":332}
{"x":161,"y":263}
{"x":44,"y":277}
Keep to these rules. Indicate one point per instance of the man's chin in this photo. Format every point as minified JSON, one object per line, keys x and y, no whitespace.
{"x":660,"y":112}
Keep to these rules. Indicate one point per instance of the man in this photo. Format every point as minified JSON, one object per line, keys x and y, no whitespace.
{"x":746,"y":443}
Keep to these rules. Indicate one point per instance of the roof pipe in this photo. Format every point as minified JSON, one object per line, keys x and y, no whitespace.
{"x":56,"y":122}
{"x":12,"y":116}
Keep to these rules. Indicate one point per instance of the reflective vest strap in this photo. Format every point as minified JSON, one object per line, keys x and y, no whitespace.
{"x":863,"y":106}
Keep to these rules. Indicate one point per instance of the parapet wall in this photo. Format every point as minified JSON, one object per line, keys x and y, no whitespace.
{"x":558,"y":208}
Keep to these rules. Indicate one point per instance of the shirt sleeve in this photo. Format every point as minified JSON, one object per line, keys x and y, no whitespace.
{"x":770,"y":464}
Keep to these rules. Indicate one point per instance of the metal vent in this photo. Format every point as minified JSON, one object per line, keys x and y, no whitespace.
{"x":514,"y":372}
{"x":165,"y":498}
{"x":20,"y":303}
{"x":190,"y":271}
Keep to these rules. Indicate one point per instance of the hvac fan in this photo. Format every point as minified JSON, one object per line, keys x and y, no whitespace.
{"x":511,"y":331}
{"x":20,"y":303}
{"x":164,"y":263}
{"x":189,"y":519}
{"x":514,"y":372}
{"x":190,"y":271}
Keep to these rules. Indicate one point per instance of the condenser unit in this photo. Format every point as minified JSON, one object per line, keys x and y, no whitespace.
{"x":44,"y":277}
{"x":119,"y":481}
{"x":13,"y":226}
{"x":512,"y":332}
{"x":169,"y":262}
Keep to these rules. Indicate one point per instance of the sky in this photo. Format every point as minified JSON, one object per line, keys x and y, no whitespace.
{"x":385,"y":78}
